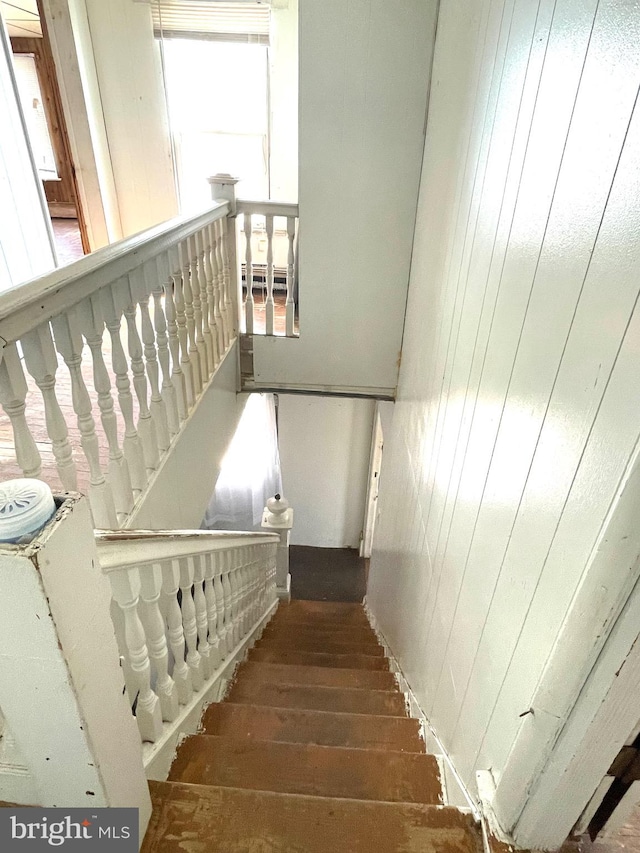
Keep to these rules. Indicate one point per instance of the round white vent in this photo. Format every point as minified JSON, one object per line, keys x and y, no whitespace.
{"x":25,"y":506}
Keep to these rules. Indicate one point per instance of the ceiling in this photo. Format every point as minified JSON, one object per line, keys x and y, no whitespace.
{"x":21,"y":18}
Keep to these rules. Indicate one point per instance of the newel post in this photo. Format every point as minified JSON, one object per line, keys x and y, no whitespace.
{"x":278,"y":518}
{"x":62,"y":690}
{"x":223,"y":188}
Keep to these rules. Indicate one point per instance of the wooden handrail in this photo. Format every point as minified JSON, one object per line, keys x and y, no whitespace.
{"x":120,"y":549}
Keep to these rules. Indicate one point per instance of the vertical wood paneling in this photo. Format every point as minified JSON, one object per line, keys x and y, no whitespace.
{"x":518,"y":407}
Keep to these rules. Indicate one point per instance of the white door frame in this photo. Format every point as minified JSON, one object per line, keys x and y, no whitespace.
{"x":371,"y":502}
{"x":586,"y":704}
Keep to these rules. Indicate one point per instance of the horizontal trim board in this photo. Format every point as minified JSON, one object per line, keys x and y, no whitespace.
{"x":240,"y":38}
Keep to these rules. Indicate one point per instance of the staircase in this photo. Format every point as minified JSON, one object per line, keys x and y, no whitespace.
{"x":312,"y":750}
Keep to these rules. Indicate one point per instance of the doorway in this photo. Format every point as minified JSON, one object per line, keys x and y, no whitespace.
{"x":41,"y":104}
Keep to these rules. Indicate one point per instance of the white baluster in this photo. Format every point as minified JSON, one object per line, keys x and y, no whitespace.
{"x":181,"y":321}
{"x":236,"y":592}
{"x":164,"y":356}
{"x":126,"y":590}
{"x":222,"y":300}
{"x":202,"y":620}
{"x":221,"y":631}
{"x":189,"y":623}
{"x":207,"y":357}
{"x":290,"y":306}
{"x":41,"y":361}
{"x":177,"y":376}
{"x":141,"y":280}
{"x":208,"y":270}
{"x":181,"y":672}
{"x":257,"y":580}
{"x":249,"y":305}
{"x":228,"y":302}
{"x":217,"y":275}
{"x":165,"y":688}
{"x":196,"y":274}
{"x":68,"y":340}
{"x":131,"y":444}
{"x":188,"y":280}
{"x":212,"y":611}
{"x":228,"y":601}
{"x":13,"y":393}
{"x":246,"y":616}
{"x":269,"y":304}
{"x":91,"y":320}
{"x":272,"y":590}
{"x":146,"y":426}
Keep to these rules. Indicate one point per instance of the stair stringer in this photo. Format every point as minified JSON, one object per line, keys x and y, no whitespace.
{"x":158,"y":757}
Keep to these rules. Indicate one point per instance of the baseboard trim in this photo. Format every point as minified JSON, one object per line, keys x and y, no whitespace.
{"x":427,"y":730}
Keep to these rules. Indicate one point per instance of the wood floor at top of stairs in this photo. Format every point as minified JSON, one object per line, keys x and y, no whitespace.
{"x":311,"y":751}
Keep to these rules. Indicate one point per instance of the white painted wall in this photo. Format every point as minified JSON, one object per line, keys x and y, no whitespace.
{"x":129,"y":77}
{"x":283,"y":73}
{"x":185,"y":481}
{"x":519,"y":400}
{"x":364,"y":69}
{"x":25,"y":231}
{"x":325,"y":444}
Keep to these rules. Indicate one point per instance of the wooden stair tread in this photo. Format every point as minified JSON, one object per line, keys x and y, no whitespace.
{"x":211,"y":819}
{"x":361,"y":731}
{"x":318,"y":698}
{"x":323,"y":647}
{"x":340,"y":661}
{"x":296,"y":768}
{"x":361,"y":679}
{"x":302,"y":631}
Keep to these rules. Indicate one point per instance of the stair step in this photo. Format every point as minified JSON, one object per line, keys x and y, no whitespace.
{"x":231,"y":820}
{"x":318,"y":659}
{"x":318,"y":612}
{"x":318,"y":698}
{"x":359,"y":731}
{"x":294,"y":768}
{"x":329,"y":647}
{"x":361,"y":679}
{"x":329,"y":634}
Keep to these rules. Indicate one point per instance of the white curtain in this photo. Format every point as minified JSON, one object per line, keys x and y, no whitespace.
{"x":250,"y":471}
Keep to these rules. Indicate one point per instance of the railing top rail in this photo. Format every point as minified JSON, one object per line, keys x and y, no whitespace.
{"x":26,"y":306}
{"x":267,"y":208}
{"x":119,"y":549}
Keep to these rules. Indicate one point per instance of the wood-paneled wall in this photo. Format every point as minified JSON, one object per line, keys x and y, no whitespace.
{"x":519,"y":398}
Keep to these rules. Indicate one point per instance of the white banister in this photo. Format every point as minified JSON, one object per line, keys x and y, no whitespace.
{"x":269,"y":251}
{"x":61,"y":686}
{"x":201,"y":594}
{"x":139,"y":340}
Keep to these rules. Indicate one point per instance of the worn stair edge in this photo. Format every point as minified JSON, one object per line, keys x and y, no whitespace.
{"x":318,"y":698}
{"x":296,"y":768}
{"x":330,"y":621}
{"x":360,"y":679}
{"x":233,"y":820}
{"x":319,"y":659}
{"x":310,"y":606}
{"x":360,"y":731}
{"x":363,"y":636}
{"x":296,"y":644}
